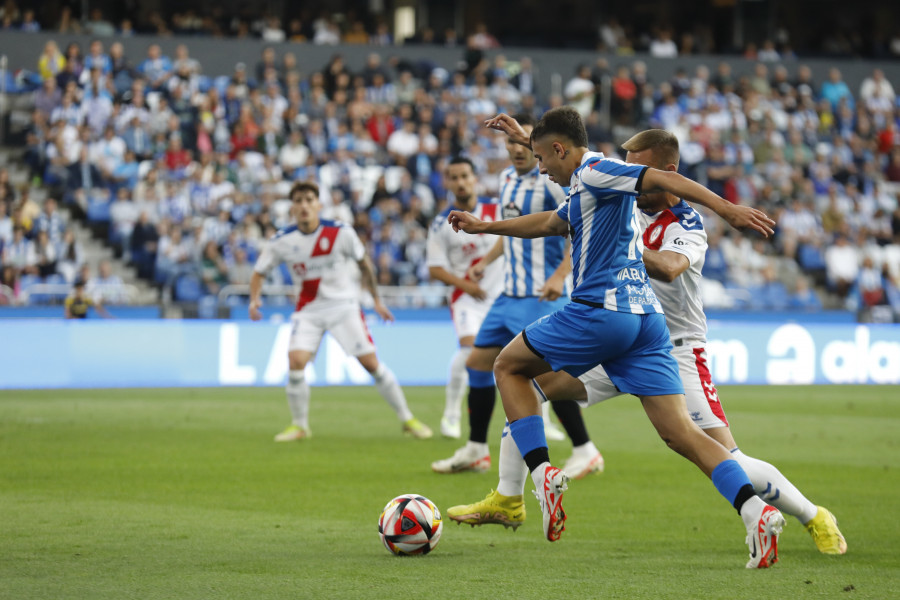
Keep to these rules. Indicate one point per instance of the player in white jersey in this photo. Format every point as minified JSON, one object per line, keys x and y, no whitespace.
{"x":614,"y":318}
{"x":535,"y":285}
{"x":449,"y":257}
{"x":322,"y":256}
{"x":674,"y":251}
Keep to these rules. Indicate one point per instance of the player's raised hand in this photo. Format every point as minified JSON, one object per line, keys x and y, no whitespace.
{"x":386,"y":315}
{"x":746,"y":217}
{"x":255,"y":313}
{"x":464,"y":221}
{"x":505,"y":123}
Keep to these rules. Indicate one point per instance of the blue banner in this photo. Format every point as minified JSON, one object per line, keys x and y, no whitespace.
{"x":173,"y":353}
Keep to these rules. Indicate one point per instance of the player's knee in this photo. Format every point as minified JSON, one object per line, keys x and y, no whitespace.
{"x":297,"y":363}
{"x":369,"y":363}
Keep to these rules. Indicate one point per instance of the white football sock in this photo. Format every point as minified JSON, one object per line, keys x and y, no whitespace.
{"x":774,"y":488}
{"x":480,"y":447}
{"x":751,"y":510}
{"x":513,"y":471}
{"x":457,"y":382}
{"x":297,"y":390}
{"x":545,"y":412}
{"x":585,"y":450}
{"x":387,"y":386}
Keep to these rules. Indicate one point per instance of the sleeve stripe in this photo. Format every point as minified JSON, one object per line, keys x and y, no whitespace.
{"x":640,"y":180}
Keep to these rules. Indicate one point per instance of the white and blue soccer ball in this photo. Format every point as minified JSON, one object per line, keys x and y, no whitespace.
{"x":410,"y":525}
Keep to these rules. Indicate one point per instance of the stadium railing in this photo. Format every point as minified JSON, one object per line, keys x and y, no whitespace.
{"x":409,"y":296}
{"x":48,"y":293}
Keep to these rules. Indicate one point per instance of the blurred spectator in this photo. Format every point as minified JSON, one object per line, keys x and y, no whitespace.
{"x":97,"y":24}
{"x":876,"y":85}
{"x":834,"y":90}
{"x":579,"y":91}
{"x":106,"y":287}
{"x":51,"y":62}
{"x":156,"y":68}
{"x":213,"y":270}
{"x":803,"y":297}
{"x":662,"y":45}
{"x":842,"y":265}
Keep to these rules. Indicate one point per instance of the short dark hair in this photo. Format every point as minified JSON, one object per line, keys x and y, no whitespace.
{"x":304,"y":186}
{"x":662,"y":143}
{"x":563,"y":121}
{"x":524,"y":119}
{"x":461,"y":160}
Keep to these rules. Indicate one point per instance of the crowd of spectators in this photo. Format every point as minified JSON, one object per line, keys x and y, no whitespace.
{"x":189,"y":170}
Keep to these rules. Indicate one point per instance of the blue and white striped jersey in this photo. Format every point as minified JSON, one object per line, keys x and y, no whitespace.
{"x":605,"y":229}
{"x":529,"y":263}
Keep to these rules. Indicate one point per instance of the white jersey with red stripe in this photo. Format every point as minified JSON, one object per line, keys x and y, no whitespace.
{"x":322,"y":263}
{"x":679,"y":229}
{"x":456,"y":252}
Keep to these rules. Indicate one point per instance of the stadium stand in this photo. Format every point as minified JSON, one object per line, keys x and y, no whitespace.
{"x":176,"y":156}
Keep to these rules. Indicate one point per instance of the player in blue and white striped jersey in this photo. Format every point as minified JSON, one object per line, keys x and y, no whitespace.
{"x":614,"y":318}
{"x":535,"y":284}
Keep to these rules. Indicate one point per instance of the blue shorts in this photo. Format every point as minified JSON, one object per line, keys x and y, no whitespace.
{"x":509,"y":316}
{"x":635,"y":350}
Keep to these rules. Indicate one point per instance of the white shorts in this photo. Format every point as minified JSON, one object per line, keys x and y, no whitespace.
{"x":346,"y":324}
{"x":699,"y":391}
{"x":468,"y":314}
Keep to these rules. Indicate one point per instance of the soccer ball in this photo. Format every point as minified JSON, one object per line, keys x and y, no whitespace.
{"x":410,"y":524}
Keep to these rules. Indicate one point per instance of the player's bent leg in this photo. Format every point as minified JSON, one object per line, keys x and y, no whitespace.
{"x":389,"y":388}
{"x":776,"y":489}
{"x":564,"y":391}
{"x":482,"y":393}
{"x":297,"y":392}
{"x":514,"y":369}
{"x":559,"y":385}
{"x":457,"y":380}
{"x":763,"y":522}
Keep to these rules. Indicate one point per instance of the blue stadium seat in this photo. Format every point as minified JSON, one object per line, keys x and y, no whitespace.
{"x":188,"y":289}
{"x":26,"y":281}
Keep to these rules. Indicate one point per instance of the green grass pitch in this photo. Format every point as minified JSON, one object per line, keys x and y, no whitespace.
{"x":183,"y":494}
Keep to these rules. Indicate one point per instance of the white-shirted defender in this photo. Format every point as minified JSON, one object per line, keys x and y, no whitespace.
{"x":322,"y":257}
{"x":449,"y":257}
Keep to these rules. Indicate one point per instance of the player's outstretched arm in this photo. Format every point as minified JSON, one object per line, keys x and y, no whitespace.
{"x":370,"y":283}
{"x":542,"y":224}
{"x":256,"y":284}
{"x":469,"y":286}
{"x":739,"y":217}
{"x":505,"y":123}
{"x":665,"y":265}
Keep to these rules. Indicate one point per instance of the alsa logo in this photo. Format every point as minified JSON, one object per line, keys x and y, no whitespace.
{"x":632,"y":274}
